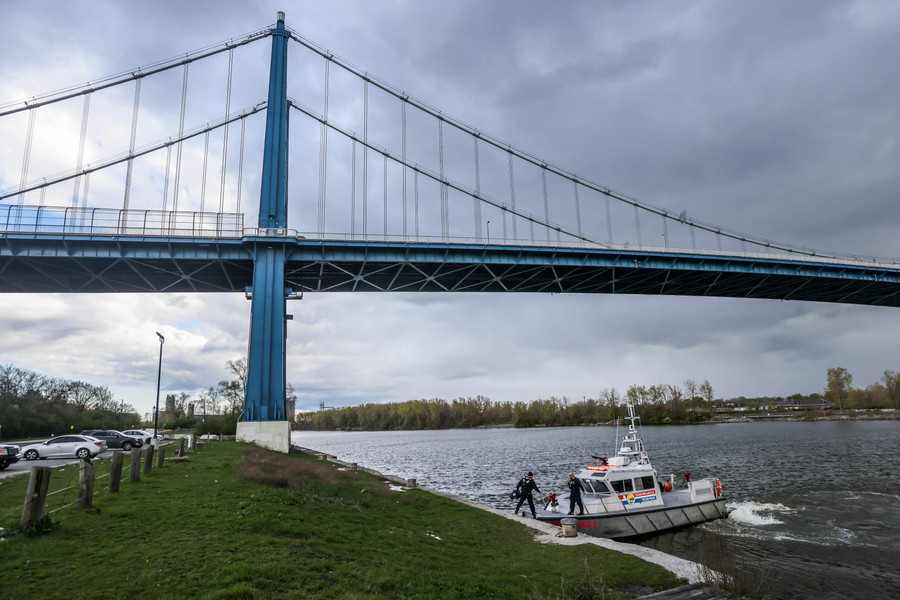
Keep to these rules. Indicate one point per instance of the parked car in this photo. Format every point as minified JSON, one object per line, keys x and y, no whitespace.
{"x":144,"y":436}
{"x":65,"y":446}
{"x":114,"y":439}
{"x":8,"y":455}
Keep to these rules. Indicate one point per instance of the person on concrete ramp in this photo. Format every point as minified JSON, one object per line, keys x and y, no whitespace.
{"x":525,"y":487}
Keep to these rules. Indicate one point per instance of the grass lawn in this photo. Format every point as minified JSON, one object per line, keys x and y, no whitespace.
{"x":235,"y":521}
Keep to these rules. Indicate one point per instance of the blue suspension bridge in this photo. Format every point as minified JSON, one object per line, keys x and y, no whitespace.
{"x":406,"y":198}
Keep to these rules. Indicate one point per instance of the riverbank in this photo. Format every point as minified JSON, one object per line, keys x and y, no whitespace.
{"x":234,"y":521}
{"x":545,"y":532}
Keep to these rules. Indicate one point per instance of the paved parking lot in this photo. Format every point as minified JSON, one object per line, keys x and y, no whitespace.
{"x":24,"y":466}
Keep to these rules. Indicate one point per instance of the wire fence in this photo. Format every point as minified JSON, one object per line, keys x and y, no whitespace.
{"x":39,"y":502}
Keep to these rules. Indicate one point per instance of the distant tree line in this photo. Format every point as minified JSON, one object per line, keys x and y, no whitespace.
{"x":658,"y":404}
{"x":35,"y":405}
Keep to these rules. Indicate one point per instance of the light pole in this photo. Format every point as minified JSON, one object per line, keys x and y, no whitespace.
{"x":489,"y":231}
{"x":162,"y":341}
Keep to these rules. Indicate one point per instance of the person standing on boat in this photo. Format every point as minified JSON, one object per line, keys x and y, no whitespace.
{"x":525,"y":487}
{"x":575,"y":490}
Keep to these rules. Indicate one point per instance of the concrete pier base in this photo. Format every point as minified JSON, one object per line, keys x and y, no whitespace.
{"x":274,"y":435}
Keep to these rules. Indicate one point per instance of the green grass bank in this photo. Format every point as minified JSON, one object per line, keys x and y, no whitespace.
{"x":237,"y":522}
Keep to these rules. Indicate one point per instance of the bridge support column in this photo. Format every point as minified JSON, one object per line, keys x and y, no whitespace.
{"x":264,"y":420}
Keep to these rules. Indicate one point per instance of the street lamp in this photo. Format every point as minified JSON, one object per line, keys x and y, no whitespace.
{"x":162,"y":341}
{"x":489,"y":231}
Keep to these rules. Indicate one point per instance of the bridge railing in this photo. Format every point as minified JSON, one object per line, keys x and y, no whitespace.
{"x":775,"y":254}
{"x":64,"y":220}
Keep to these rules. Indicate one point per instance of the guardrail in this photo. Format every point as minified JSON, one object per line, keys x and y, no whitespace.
{"x":157,"y":223}
{"x":63,"y":220}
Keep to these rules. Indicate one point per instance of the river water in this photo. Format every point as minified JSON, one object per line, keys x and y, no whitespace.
{"x":815,"y":505}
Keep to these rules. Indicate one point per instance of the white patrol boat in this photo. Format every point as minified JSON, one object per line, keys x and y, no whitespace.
{"x":625,"y":498}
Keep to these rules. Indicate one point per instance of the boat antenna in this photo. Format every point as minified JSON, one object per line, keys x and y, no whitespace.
{"x":616,"y":446}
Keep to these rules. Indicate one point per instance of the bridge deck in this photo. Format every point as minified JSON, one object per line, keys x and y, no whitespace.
{"x":53,"y":263}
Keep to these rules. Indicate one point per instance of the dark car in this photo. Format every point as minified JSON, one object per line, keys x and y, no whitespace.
{"x":114,"y":439}
{"x":8,"y":455}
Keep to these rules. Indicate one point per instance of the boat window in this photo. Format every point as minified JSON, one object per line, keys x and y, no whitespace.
{"x":622,"y":486}
{"x":644,"y":483}
{"x":598,"y":487}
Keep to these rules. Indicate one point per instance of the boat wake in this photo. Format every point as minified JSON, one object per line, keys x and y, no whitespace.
{"x":756,"y":513}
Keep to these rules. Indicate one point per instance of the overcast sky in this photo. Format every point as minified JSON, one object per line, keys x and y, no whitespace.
{"x":779,"y":119}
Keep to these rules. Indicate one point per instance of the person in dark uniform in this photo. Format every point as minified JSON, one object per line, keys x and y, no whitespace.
{"x":525,"y":487}
{"x":575,"y":491}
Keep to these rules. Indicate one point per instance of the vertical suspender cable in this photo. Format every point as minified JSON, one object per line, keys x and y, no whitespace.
{"x":323,"y":155}
{"x":224,"y":134}
{"x":608,"y":221}
{"x":353,"y":189}
{"x":365,"y":196}
{"x":476,"y":199}
{"x":84,"y":195}
{"x":445,"y":227}
{"x":403,"y":153}
{"x":385,"y":196}
{"x":85,"y":112}
{"x":577,"y":208}
{"x":240,"y":166}
{"x":637,"y":225}
{"x":184,"y":86}
{"x":134,"y":119}
{"x":512,"y":197}
{"x":416,"y":191}
{"x":26,"y":157}
{"x":165,"y":200}
{"x":546,"y":201}
{"x":203,"y":177}
{"x":665,"y":231}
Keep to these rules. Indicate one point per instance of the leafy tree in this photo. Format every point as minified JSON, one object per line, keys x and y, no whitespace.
{"x":891,"y":381}
{"x":838,"y":385}
{"x":706,"y":391}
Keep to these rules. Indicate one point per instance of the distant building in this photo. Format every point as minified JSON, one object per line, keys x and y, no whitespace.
{"x":803,"y":404}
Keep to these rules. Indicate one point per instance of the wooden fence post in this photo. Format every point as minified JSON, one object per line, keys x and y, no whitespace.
{"x":160,"y":457}
{"x":115,"y":471}
{"x":35,"y":497}
{"x":148,"y":460}
{"x":85,"y":484}
{"x":134,"y":474}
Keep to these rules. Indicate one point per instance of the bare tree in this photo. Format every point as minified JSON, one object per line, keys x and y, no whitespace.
{"x":691,"y":388}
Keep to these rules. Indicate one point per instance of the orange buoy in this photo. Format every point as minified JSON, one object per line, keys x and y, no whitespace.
{"x":667,"y":486}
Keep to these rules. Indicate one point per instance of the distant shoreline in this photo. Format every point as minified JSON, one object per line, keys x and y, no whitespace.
{"x":717,"y":420}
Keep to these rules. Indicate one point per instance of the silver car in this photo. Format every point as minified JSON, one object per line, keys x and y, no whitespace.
{"x":65,"y":446}
{"x":144,"y":436}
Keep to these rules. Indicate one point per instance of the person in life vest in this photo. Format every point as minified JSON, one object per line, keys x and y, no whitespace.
{"x":525,"y":487}
{"x":575,"y":490}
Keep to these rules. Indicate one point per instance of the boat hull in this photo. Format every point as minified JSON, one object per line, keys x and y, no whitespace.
{"x":639,"y":523}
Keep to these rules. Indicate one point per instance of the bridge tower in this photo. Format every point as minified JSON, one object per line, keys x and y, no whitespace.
{"x":265,"y":420}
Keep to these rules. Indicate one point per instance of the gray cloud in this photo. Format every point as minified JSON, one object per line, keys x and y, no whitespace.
{"x":778,"y":119}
